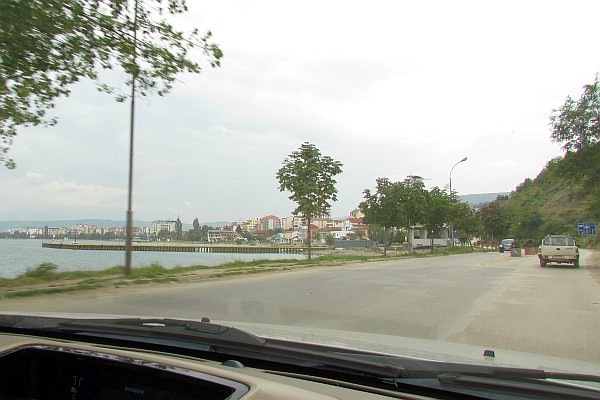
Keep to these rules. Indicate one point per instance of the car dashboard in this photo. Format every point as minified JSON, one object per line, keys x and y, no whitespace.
{"x":34,"y":366}
{"x":46,"y":369}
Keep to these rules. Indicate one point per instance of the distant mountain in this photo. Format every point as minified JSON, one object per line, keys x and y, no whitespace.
{"x":474,"y":200}
{"x":480,"y":199}
{"x":102,"y":223}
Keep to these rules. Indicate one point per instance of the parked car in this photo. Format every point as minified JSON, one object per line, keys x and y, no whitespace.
{"x":505,"y":245}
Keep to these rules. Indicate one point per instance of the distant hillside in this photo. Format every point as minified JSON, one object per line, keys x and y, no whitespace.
{"x":480,"y":199}
{"x":102,"y":223}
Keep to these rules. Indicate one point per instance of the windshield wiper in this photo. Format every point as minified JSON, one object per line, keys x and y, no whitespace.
{"x":534,"y":382}
{"x":164,"y":328}
{"x":232,"y":341}
{"x":507,"y":373}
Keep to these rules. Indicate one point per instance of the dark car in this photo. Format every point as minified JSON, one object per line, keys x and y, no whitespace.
{"x":505,"y":245}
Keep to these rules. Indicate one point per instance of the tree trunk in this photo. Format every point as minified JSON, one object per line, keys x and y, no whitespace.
{"x":385,"y":240}
{"x":431,"y":243}
{"x":308,"y":236}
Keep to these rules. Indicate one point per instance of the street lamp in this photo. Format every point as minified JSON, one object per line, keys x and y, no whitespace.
{"x":452,"y":201}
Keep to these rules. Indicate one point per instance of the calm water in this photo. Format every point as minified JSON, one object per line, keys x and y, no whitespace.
{"x":16,"y":255}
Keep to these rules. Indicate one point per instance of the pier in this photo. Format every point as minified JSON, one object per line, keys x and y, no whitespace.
{"x":183,"y":248}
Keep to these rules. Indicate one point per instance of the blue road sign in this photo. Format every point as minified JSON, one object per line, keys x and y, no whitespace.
{"x":586,"y":228}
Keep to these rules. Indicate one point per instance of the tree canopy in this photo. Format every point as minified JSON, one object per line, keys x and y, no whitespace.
{"x":494,"y":222}
{"x":378,"y":208}
{"x":467,"y":223}
{"x":396,"y":204}
{"x":409,"y":196}
{"x":47,"y":45}
{"x":576,"y":124}
{"x":309,"y":177}
{"x":438,"y":207}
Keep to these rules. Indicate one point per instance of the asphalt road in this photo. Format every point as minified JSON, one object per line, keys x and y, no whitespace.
{"x":487,"y":299}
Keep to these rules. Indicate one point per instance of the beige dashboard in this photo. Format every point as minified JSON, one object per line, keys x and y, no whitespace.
{"x":32,"y":367}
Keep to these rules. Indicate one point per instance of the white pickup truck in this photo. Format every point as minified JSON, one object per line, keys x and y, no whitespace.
{"x":558,"y":249}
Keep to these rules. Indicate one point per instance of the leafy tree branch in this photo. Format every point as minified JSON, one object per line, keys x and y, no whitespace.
{"x":48,"y":45}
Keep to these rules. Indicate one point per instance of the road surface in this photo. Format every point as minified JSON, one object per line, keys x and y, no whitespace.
{"x":486,"y":299}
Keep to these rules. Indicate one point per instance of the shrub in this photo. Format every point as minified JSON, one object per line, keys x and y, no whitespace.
{"x":42,"y":270}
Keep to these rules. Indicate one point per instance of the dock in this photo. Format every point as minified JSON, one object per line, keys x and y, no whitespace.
{"x":183,"y":248}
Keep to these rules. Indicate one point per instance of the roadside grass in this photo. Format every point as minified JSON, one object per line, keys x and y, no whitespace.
{"x":50,"y":290}
{"x":44,"y":279}
{"x":461,"y":250}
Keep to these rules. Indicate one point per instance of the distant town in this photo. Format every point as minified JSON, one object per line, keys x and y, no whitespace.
{"x":270,"y":228}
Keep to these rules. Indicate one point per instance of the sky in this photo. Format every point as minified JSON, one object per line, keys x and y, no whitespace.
{"x":389,"y":88}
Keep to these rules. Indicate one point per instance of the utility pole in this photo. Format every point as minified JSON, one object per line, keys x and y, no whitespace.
{"x":129,"y":228}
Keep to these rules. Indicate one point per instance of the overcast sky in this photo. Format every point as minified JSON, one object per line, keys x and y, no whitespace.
{"x":389,"y":88}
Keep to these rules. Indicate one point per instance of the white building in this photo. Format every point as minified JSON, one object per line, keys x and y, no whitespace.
{"x":270,"y":222}
{"x":160,"y":225}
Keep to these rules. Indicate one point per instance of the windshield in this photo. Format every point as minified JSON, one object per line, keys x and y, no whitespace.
{"x":558,"y":241}
{"x":308,"y":168}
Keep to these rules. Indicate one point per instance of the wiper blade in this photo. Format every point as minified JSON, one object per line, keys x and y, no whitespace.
{"x":232,"y":341}
{"x":530,"y":383}
{"x":164,"y":328}
{"x":519,"y":374}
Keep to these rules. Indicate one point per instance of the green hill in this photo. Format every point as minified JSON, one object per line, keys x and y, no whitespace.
{"x":567,"y":191}
{"x":549,"y":204}
{"x":480,"y":199}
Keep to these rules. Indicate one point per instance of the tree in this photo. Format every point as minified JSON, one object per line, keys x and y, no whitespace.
{"x":409,"y":197}
{"x":178,"y":229}
{"x":467,"y":223}
{"x":577,"y":123}
{"x":395,"y":205}
{"x":204,"y":232}
{"x":329,"y":240}
{"x":376,"y":234}
{"x":577,"y":126}
{"x":527,"y":224}
{"x":494,"y":221}
{"x":379,"y":209}
{"x":195,"y":234}
{"x":108,"y":236}
{"x":583,"y":168}
{"x":47,"y":45}
{"x":163,"y":234}
{"x":309,"y":176}
{"x":438,"y":205}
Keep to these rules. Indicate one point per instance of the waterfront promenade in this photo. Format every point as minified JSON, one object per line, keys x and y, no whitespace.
{"x":182,"y":248}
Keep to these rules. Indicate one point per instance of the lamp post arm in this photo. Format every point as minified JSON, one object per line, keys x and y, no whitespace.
{"x":452,"y":201}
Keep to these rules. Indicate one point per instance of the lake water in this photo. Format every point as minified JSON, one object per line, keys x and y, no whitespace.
{"x":17,"y":255}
